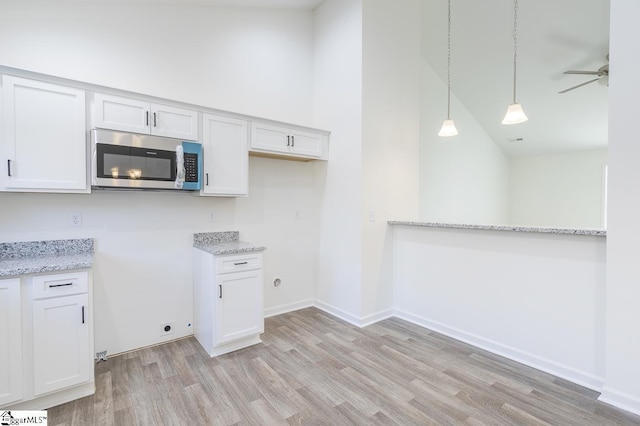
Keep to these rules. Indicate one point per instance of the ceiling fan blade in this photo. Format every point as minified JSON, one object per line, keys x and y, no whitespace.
{"x":581,"y":72}
{"x":579,"y":85}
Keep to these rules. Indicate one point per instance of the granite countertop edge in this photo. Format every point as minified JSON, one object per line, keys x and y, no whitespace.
{"x":43,"y":264}
{"x":224,"y":243}
{"x":238,"y":247}
{"x":510,"y":228}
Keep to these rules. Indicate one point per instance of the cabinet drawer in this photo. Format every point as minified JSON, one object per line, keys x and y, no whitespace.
{"x":245,"y":262}
{"x":45,"y":286}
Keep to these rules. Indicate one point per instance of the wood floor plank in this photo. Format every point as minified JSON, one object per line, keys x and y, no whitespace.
{"x":315,"y":369}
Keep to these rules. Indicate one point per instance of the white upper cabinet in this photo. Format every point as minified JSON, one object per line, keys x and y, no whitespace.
{"x":132,"y":115}
{"x":43,"y":145}
{"x":282,"y":141}
{"x":226,"y":156}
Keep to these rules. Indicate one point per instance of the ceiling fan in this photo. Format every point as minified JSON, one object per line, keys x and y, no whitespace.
{"x":602,"y":76}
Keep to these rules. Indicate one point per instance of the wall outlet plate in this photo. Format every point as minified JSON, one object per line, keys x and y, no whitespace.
{"x":75,"y":219}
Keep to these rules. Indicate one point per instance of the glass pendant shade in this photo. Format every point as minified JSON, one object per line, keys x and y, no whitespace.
{"x":514,"y":115}
{"x":448,"y":128}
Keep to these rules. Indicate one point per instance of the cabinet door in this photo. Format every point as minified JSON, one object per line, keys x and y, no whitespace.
{"x":269,"y":138}
{"x":44,"y":144}
{"x":11,"y":338}
{"x":61,"y":347}
{"x":117,"y":113}
{"x":239,"y":309}
{"x":306,"y":144}
{"x":226,"y":156}
{"x":174,"y":122}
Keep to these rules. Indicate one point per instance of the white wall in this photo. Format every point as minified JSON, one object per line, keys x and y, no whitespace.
{"x":390,"y":139}
{"x":338,"y":106}
{"x":251,"y":61}
{"x":622,"y":386}
{"x":534,"y":298}
{"x":563,"y":190}
{"x":143,"y":269}
{"x":464,"y":178}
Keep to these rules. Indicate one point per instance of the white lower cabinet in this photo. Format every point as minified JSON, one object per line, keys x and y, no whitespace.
{"x":11,"y":381}
{"x":61,"y":349}
{"x":54,"y":342}
{"x":228,"y":301}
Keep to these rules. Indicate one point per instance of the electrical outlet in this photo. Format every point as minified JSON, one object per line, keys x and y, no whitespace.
{"x":212,"y":216}
{"x":297,"y":215}
{"x":372,"y":215}
{"x":75,"y":220}
{"x":166,"y":328}
{"x":101,"y":356}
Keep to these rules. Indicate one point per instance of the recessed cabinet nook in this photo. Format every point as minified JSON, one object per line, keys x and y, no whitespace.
{"x":269,"y":139}
{"x":46,"y":123}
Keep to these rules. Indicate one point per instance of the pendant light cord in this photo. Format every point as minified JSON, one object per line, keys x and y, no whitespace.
{"x":515,"y":45}
{"x":449,"y":63}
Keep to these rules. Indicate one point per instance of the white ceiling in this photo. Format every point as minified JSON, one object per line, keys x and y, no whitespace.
{"x":554,"y":36}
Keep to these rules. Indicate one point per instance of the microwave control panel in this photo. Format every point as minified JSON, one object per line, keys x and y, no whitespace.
{"x":191,"y":167}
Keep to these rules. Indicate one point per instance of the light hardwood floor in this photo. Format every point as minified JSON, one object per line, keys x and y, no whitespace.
{"x":315,"y":369}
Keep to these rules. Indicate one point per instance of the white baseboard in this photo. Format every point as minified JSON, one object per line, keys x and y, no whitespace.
{"x":576,"y":376}
{"x":56,"y":398}
{"x":374,"y":318}
{"x":352,"y":319}
{"x":620,"y":400}
{"x":289,"y":307}
{"x":337,"y":312}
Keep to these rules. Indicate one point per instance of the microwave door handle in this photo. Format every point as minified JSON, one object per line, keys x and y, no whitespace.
{"x":180,"y":172}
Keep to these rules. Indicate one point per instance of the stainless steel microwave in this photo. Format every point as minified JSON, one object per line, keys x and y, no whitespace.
{"x":135,"y":161}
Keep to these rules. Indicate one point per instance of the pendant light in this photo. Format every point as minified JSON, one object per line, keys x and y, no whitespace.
{"x":448,"y":128}
{"x":514,"y":114}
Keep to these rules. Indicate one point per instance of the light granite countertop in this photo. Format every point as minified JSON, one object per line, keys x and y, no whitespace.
{"x":512,"y":228}
{"x":35,"y":257}
{"x":224,"y":243}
